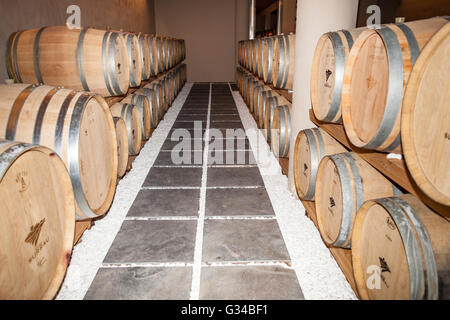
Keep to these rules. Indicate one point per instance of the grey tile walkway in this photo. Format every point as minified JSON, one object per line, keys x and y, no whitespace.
{"x":249,"y":283}
{"x":165,"y":203}
{"x":239,"y":226}
{"x":243,"y":240}
{"x":141,"y":284}
{"x":153,"y":241}
{"x":235,"y":202}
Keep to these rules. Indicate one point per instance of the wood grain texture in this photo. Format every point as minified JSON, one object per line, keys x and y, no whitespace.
{"x":36,"y":223}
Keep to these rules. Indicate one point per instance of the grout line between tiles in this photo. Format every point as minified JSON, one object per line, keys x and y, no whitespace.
{"x":196,"y":270}
{"x":256,"y":263}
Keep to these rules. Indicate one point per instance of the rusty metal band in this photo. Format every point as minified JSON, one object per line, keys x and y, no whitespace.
{"x":37,"y":69}
{"x":14,"y":114}
{"x":15,"y":63}
{"x":80,"y":61}
{"x":40,"y":116}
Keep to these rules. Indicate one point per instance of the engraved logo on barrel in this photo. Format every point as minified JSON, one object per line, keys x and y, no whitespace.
{"x":35,"y":232}
{"x":23,"y":181}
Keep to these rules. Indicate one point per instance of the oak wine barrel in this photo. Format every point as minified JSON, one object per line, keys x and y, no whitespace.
{"x":311,"y":146}
{"x":281,"y":131}
{"x":134,"y":59}
{"x":122,"y":146}
{"x":77,"y":126}
{"x":426,"y":147}
{"x":143,"y":105}
{"x":130,"y":114}
{"x":283,"y":61}
{"x":344,"y":182}
{"x":259,"y":97}
{"x":145,"y":55}
{"x":327,"y":74}
{"x":267,"y":58}
{"x":152,"y":97}
{"x":401,"y":251}
{"x":159,"y":96}
{"x":37,"y":221}
{"x":270,"y":103}
{"x":82,"y":59}
{"x":376,"y":74}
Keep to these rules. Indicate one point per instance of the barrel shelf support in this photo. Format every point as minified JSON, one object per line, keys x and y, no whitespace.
{"x":393,"y":169}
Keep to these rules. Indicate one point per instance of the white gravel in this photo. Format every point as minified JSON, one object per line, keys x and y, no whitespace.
{"x":318,"y":273}
{"x":88,"y":255}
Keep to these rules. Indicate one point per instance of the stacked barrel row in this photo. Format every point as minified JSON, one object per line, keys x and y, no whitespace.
{"x":271,"y":111}
{"x":63,"y":148}
{"x":389,"y":87}
{"x":102,"y":62}
{"x":270,"y":59}
{"x":139,"y":113}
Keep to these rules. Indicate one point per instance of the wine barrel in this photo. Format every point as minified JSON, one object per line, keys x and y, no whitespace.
{"x":256,"y":55}
{"x":78,"y":126}
{"x":327,"y":74}
{"x":36,"y":221}
{"x":165,"y":92}
{"x":159,"y":94}
{"x":130,"y":114}
{"x":267,"y":59}
{"x":255,"y":84}
{"x":344,"y":182}
{"x":311,"y":146}
{"x":165,"y":53}
{"x":122,"y":146}
{"x":250,"y":55}
{"x":145,"y":55}
{"x":376,"y":73}
{"x":283,"y":61}
{"x":154,"y":45}
{"x":259,"y":95}
{"x":426,"y":146}
{"x":270,"y":103}
{"x":134,"y":59}
{"x":153,"y":99}
{"x":82,"y":59}
{"x":401,"y":251}
{"x":143,"y":105}
{"x":281,"y":131}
